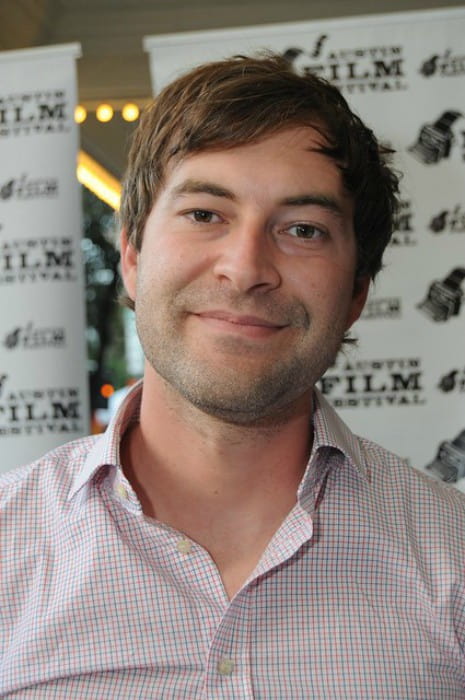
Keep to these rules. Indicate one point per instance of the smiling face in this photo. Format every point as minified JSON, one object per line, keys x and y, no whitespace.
{"x":244,"y":285}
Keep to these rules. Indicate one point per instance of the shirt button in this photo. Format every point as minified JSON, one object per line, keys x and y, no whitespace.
{"x":184,"y":546}
{"x":122,"y":491}
{"x":225,"y":666}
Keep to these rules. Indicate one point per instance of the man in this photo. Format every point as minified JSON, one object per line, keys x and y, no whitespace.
{"x":229,"y":537}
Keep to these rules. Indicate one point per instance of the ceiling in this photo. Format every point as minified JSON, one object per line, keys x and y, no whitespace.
{"x":113,"y":64}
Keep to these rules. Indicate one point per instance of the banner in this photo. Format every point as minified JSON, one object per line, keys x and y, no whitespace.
{"x":404,"y":386}
{"x":43,"y":378}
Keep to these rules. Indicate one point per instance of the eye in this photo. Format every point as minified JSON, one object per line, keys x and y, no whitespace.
{"x":203,"y":216}
{"x":307,"y":231}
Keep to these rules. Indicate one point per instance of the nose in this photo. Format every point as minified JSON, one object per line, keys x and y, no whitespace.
{"x":247,"y":259}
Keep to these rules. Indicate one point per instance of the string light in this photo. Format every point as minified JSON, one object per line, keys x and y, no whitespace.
{"x":80,"y":114}
{"x":89,"y":172}
{"x":130,"y":112}
{"x":104,"y":112}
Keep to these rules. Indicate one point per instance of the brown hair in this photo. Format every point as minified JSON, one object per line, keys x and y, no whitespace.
{"x":240,"y":100}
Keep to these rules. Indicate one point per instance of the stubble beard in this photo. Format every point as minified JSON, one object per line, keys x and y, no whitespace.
{"x":240,"y":391}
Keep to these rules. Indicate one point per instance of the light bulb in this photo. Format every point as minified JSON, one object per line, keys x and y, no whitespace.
{"x":80,"y":114}
{"x":130,"y":112}
{"x":104,"y":113}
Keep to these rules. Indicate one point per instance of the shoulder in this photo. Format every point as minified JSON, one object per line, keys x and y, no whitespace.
{"x":389,"y":481}
{"x":390,"y":467}
{"x":430,"y":508}
{"x":26,"y":491}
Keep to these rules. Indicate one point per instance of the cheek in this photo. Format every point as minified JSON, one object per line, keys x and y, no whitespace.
{"x":324,"y":281}
{"x":329,"y":295}
{"x":164,"y":272}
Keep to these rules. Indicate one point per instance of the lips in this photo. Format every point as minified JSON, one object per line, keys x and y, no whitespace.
{"x":239,"y":319}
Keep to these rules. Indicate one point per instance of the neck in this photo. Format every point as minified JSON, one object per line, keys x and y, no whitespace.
{"x":214,"y":481}
{"x":176,"y":441}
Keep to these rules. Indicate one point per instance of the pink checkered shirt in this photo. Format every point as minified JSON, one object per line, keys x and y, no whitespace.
{"x":360,"y":594}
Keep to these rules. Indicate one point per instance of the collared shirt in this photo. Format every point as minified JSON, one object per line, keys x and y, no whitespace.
{"x":359,"y":594}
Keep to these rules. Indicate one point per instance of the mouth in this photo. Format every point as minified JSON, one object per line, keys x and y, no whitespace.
{"x":248,"y":325}
{"x":239,"y":319}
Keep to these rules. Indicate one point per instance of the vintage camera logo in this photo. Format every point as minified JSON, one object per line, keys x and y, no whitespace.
{"x":403,"y":234}
{"x":25,"y":188}
{"x":444,"y":65}
{"x":444,"y":297}
{"x":37,"y":411}
{"x":374,"y":383}
{"x":30,"y":337}
{"x":382,"y":308}
{"x":355,"y":70}
{"x":37,"y":260}
{"x":453,"y":381}
{"x":449,"y":463}
{"x":435,"y":140}
{"x":448,"y":221}
{"x":29,"y":114}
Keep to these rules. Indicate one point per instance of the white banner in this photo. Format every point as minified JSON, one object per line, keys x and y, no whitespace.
{"x":43,"y":378}
{"x":404,"y":387}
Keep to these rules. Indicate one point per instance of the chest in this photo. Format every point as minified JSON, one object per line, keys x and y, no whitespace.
{"x":323,"y":622}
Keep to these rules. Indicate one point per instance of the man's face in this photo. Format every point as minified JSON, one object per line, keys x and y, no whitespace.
{"x":244,"y":285}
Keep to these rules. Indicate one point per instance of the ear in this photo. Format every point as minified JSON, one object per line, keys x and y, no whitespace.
{"x":129,"y":260}
{"x":359,"y":297}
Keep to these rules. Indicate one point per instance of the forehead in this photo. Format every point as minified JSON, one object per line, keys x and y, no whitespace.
{"x":290,"y":158}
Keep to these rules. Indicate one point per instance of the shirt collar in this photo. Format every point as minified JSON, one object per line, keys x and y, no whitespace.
{"x":106,"y":450}
{"x":329,"y":430}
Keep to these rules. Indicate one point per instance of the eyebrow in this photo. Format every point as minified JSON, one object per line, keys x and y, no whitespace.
{"x":319,"y":200}
{"x":192,"y":186}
